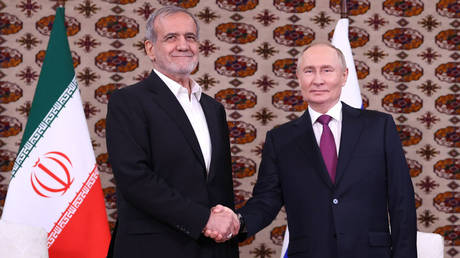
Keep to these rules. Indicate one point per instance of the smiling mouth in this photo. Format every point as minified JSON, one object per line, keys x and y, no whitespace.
{"x":183,"y":55}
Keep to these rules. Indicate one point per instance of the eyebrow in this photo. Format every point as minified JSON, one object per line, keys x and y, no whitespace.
{"x":170,"y":34}
{"x":175,"y":34}
{"x":321,"y":67}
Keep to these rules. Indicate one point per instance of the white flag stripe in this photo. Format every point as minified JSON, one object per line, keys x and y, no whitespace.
{"x":351,"y":93}
{"x":285,"y":243}
{"x":74,"y":142}
{"x":44,"y":125}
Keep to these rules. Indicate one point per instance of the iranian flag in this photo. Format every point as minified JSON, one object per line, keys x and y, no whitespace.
{"x":55,"y":183}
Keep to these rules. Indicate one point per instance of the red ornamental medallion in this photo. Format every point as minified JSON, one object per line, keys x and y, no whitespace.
{"x":50,"y":174}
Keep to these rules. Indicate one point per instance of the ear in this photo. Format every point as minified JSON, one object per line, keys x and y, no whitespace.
{"x":149,"y":49}
{"x":344,"y":77}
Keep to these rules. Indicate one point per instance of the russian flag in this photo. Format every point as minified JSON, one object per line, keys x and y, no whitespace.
{"x":351,"y":94}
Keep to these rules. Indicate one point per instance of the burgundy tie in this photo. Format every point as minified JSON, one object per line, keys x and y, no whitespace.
{"x":327,"y":146}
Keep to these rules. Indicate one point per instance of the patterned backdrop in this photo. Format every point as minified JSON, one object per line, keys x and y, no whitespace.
{"x":406,"y":54}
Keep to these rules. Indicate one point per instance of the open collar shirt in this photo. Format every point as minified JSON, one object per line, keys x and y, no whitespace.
{"x":192,"y":108}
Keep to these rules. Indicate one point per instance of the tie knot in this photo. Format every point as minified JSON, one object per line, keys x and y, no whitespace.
{"x":324,"y":119}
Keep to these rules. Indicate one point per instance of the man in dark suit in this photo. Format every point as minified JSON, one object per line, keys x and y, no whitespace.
{"x":169,"y":149}
{"x":340,"y":172}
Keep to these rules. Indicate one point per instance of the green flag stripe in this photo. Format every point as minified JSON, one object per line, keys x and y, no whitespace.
{"x":43,"y":126}
{"x":56,"y":74}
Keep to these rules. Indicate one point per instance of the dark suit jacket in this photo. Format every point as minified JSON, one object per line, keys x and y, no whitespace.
{"x":348,"y":219}
{"x":164,"y":194}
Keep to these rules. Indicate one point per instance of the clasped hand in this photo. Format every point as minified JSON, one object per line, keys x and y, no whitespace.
{"x":223,"y":224}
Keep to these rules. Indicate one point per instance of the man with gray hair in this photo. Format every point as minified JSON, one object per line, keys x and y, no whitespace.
{"x":170,"y":153}
{"x":339,"y":171}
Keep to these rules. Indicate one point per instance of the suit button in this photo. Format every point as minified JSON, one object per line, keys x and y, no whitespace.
{"x":335,"y":201}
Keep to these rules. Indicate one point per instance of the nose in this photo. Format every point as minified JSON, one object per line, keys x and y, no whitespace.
{"x":182,"y":44}
{"x":317,"y":79}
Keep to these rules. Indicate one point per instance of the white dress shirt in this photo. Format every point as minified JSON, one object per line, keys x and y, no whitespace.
{"x":194,"y":112}
{"x":335,"y":124}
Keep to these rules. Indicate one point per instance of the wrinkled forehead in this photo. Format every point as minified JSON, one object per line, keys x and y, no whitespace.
{"x":320,"y":55}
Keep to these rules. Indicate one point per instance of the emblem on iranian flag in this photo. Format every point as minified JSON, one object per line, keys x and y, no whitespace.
{"x":51,"y":174}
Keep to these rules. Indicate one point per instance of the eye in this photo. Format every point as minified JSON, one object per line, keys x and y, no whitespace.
{"x":308,"y":71}
{"x":170,"y":37}
{"x":191,"y":37}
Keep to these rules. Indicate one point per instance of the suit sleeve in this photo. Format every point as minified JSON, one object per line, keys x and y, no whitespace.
{"x":400,"y":196}
{"x":133,"y":169}
{"x":267,"y":199}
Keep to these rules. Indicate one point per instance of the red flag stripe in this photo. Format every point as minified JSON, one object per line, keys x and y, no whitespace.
{"x":82,"y":229}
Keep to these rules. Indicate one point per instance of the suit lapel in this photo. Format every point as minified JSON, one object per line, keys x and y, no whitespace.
{"x":351,"y":130}
{"x":307,"y":143}
{"x":169,"y":103}
{"x":211,"y":120}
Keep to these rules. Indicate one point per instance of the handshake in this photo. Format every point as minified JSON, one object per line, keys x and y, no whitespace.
{"x":223,"y":224}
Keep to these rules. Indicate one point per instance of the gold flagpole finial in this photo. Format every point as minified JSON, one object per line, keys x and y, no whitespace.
{"x":61,"y":3}
{"x":343,"y":9}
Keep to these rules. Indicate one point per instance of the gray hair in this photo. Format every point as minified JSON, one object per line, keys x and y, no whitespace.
{"x":327,"y":44}
{"x":151,"y":34}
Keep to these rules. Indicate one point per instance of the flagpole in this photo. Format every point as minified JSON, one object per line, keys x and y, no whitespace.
{"x":343,"y":9}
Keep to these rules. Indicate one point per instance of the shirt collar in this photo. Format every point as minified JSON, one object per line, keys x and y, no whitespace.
{"x":178,"y":89}
{"x":335,"y":112}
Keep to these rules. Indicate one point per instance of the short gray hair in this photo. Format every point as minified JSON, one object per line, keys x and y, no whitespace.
{"x":327,"y":44}
{"x":151,"y":34}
